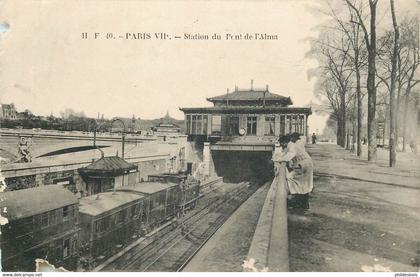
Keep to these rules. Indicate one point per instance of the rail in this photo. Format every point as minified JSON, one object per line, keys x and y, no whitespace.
{"x":269,"y":247}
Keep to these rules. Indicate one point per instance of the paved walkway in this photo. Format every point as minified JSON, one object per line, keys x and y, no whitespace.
{"x":363,"y":217}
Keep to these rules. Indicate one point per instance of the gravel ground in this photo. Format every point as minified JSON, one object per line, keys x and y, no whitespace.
{"x":363,"y":216}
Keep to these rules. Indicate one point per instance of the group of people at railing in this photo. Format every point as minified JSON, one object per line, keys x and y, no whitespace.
{"x":299,"y":173}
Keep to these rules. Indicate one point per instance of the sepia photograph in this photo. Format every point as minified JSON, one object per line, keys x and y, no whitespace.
{"x":209,"y":136}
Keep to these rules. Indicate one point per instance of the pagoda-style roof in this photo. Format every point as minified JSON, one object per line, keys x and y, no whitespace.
{"x":258,"y":95}
{"x":108,"y":166}
{"x":245,"y":109}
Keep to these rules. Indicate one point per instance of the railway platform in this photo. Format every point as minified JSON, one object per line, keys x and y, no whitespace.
{"x":229,"y":246}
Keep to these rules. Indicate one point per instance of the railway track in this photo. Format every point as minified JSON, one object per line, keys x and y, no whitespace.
{"x":175,"y":245}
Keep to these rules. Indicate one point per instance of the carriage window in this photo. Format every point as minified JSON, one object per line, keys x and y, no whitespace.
{"x":44,"y":220}
{"x":102,"y":225}
{"x":66,"y":248}
{"x":66,"y":213}
{"x":133,"y":210}
{"x":53,"y":217}
{"x":121,"y":216}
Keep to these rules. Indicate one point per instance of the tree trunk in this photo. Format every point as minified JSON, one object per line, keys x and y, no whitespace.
{"x":359,"y":112}
{"x":392,"y":126}
{"x":354,"y":126}
{"x":347,"y":140}
{"x":371,"y":88}
{"x":406,"y":101}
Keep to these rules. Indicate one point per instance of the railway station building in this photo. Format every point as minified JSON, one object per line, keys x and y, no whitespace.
{"x":244,"y":123}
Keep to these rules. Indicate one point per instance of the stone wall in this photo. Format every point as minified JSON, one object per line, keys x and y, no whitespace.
{"x":73,"y":181}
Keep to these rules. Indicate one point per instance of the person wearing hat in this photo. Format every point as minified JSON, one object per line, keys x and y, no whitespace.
{"x":300,"y":179}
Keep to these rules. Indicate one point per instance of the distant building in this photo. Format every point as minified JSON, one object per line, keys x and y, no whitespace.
{"x":42,"y":223}
{"x":8,"y":111}
{"x":167,"y":128}
{"x":250,"y":118}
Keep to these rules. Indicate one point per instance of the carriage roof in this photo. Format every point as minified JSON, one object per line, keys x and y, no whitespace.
{"x":106,"y":201}
{"x":147,"y":187}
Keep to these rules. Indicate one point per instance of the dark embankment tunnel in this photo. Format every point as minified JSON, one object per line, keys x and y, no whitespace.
{"x":239,"y":166}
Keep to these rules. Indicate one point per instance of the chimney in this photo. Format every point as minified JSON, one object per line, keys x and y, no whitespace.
{"x":252,"y":85}
{"x":265,"y":91}
{"x":227,"y":97}
{"x":266,"y":88}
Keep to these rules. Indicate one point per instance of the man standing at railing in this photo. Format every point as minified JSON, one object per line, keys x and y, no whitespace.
{"x":300,"y":169}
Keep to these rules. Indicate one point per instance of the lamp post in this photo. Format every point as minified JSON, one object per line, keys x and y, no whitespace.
{"x":122,"y":136}
{"x":95,"y":129}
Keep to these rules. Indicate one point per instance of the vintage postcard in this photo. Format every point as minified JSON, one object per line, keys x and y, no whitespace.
{"x":210,"y":136}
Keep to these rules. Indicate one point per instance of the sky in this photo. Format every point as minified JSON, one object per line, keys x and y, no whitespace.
{"x":46,"y":65}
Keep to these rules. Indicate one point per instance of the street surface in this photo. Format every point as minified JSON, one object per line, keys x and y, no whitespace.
{"x":363,"y":216}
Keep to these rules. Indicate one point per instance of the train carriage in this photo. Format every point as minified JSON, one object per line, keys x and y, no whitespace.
{"x":189,"y":188}
{"x":39,"y":226}
{"x":109,"y":219}
{"x":162,"y":201}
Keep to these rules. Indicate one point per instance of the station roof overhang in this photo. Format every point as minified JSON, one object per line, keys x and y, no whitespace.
{"x":108,"y":167}
{"x":245,"y":146}
{"x":247,"y":110}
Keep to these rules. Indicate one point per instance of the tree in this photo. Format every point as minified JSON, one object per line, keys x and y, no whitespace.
{"x":370,"y":42}
{"x":352,"y":31}
{"x":410,"y":39}
{"x":334,"y":77}
{"x":392,"y":138}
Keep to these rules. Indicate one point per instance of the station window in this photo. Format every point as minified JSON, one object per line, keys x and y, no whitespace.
{"x":233,"y":125}
{"x":216,"y":126}
{"x":269,"y":126}
{"x":282,"y":125}
{"x":205,"y":122}
{"x":199,"y":124}
{"x":251,"y":125}
{"x":188,"y":124}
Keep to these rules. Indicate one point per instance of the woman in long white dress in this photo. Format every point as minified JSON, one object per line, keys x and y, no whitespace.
{"x":300,"y":179}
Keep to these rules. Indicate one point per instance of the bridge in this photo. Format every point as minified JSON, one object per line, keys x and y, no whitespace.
{"x":45,"y":142}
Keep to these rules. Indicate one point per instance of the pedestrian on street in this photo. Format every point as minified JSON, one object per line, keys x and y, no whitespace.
{"x":300,"y":174}
{"x":313,"y":138}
